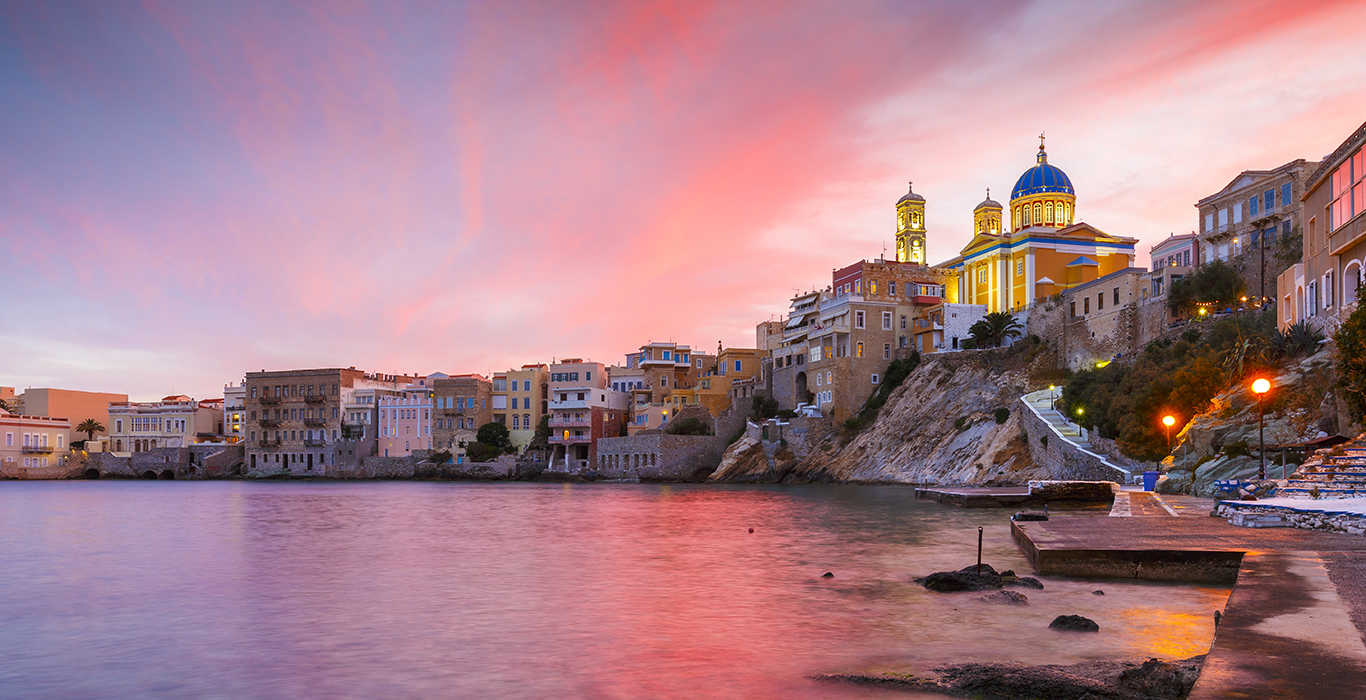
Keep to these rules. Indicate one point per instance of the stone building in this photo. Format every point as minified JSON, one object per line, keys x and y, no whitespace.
{"x":462,"y":403}
{"x":1242,"y":223}
{"x":1322,"y":287}
{"x":294,"y":417}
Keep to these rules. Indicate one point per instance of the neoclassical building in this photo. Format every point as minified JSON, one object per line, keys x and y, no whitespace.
{"x":1043,"y":253}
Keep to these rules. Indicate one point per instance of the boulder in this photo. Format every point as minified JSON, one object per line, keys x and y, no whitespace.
{"x":954,"y":581}
{"x":1005,"y":598}
{"x":1074,"y":623}
{"x":1160,"y":679}
{"x":1022,"y":582}
{"x":986,"y":569}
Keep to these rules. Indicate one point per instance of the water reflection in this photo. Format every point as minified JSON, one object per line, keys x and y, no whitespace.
{"x":171,"y":589}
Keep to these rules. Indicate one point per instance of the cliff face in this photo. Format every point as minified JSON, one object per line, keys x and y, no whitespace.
{"x":937,"y":427}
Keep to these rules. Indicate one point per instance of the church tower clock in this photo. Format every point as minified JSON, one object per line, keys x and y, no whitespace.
{"x":910,"y":228}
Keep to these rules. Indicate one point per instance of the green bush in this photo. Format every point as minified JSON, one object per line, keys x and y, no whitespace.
{"x":688,"y":426}
{"x":961,"y":424}
{"x":1237,"y":449}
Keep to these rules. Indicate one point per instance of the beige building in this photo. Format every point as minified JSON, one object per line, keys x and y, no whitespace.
{"x":520,"y":397}
{"x":174,"y":421}
{"x":1322,"y":287}
{"x":32,"y":446}
{"x":583,"y":408}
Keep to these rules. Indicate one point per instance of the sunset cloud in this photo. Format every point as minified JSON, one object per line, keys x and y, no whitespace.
{"x":192,"y":191}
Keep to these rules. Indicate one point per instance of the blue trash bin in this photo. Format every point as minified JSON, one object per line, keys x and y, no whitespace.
{"x":1150,"y":480}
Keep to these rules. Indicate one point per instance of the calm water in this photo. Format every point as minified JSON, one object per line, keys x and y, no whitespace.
{"x":402,"y":590}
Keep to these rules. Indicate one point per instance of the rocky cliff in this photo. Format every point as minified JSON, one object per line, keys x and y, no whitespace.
{"x":1222,"y":442}
{"x":938,"y":427}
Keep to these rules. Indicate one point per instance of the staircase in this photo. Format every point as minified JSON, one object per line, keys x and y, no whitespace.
{"x":1340,"y":476}
{"x":1041,"y":404}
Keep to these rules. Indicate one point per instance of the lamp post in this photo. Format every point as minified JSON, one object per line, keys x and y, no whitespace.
{"x":1260,"y":387}
{"x":1052,"y":399}
{"x":1169,"y":422}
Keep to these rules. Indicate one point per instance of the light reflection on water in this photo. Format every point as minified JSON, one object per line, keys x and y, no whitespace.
{"x":233,"y":589}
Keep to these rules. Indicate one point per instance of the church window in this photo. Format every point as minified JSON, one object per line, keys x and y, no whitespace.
{"x":1048,"y":213}
{"x":1038,"y":212}
{"x":1019,"y":267}
{"x":1026,"y":216}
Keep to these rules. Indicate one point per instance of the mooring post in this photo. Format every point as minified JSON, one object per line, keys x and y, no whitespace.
{"x":979,"y":550}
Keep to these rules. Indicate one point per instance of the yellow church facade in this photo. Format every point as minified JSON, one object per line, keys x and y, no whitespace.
{"x":1043,"y":253}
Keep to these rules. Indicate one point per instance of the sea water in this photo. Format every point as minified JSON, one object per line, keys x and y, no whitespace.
{"x":168,"y":589}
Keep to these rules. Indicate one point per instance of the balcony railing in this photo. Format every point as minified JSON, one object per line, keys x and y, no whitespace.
{"x":315,"y":398}
{"x":270,"y":422}
{"x":315,"y":421}
{"x":38,"y":448}
{"x":271,"y":443}
{"x":270,"y":399}
{"x":571,"y":439}
{"x":456,"y":411}
{"x":315,"y":442}
{"x":570,"y":422}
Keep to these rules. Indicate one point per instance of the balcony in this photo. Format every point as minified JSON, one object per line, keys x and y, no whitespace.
{"x":457,"y":411}
{"x":570,"y":422}
{"x":44,"y":449}
{"x":270,"y":444}
{"x":315,"y":421}
{"x":315,"y":398}
{"x":270,"y":422}
{"x":315,"y":442}
{"x":270,"y":399}
{"x":562,"y":439}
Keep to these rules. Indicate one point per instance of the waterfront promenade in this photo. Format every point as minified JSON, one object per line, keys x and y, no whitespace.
{"x":1295,"y":621}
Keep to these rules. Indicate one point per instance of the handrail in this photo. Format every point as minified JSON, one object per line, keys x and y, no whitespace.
{"x":1028,"y":398}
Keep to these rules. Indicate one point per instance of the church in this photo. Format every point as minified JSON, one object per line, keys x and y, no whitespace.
{"x":1042,"y":253}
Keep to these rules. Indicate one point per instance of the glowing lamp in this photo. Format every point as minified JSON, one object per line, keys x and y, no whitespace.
{"x":1079,"y":410}
{"x":1168,"y":421}
{"x":1202,"y":312}
{"x":1261,"y":386}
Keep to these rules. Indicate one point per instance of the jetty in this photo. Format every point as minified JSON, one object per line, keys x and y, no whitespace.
{"x":1295,"y":620}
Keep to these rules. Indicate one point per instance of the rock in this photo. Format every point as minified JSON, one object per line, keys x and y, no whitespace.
{"x":986,"y":569}
{"x":1159,"y":679}
{"x":828,"y":575}
{"x":1005,"y":597}
{"x":953,"y":581}
{"x":1097,"y":592}
{"x":1007,"y":572}
{"x":1023,"y":582}
{"x":1074,"y":623}
{"x":1028,"y":516}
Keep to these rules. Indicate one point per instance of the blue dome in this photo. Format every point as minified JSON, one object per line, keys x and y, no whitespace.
{"x":1042,"y":178}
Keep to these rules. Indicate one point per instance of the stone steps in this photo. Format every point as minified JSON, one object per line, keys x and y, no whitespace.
{"x":1246,"y":519}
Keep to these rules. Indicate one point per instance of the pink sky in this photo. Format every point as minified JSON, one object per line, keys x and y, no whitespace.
{"x":192,"y":191}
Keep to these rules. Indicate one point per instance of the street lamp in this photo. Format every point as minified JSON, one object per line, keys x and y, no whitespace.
{"x":1260,"y":387}
{"x":1169,"y":422}
{"x":1052,"y":399}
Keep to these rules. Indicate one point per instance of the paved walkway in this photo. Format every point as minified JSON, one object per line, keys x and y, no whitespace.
{"x":1140,"y":503}
{"x":1295,"y":622}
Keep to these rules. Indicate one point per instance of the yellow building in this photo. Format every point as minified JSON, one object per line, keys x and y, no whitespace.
{"x":910,"y":228}
{"x":1043,"y":253}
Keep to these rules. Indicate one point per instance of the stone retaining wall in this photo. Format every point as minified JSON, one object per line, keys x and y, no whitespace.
{"x":1064,"y":459}
{"x":659,"y":457}
{"x":1325,"y":520}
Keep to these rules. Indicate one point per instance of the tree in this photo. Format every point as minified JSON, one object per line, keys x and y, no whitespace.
{"x":494,"y":435}
{"x":1212,"y":283}
{"x":691,"y":425}
{"x":541,"y":440}
{"x":1351,"y":340}
{"x":90,"y":426}
{"x":994,"y":329}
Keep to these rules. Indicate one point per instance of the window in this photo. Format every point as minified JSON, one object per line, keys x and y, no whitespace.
{"x":1328,"y":289}
{"x":1048,"y":213}
{"x":1100,"y":301}
{"x":9,"y":439}
{"x":1019,"y":267}
{"x":1223,"y":219}
{"x":1237,"y":214}
{"x":1038,"y":213}
{"x":858,"y":286}
{"x":1270,"y":199}
{"x":891,"y":287}
{"x":1252,"y":206}
{"x":1074,"y":309}
{"x":858,"y":319}
{"x":1086,"y":305}
{"x":1116,"y":296}
{"x":887,"y":349}
{"x":886,"y":320}
{"x":1209,"y":221}
{"x":903,"y":323}
{"x":875,"y":379}
{"x":737,"y":365}
{"x":858,"y":349}
{"x":820,"y":380}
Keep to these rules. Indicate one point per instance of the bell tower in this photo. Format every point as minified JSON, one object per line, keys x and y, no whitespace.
{"x":910,"y":228}
{"x":986,"y":217}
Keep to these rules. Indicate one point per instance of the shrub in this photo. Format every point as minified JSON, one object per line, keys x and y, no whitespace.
{"x":1043,"y":440}
{"x":1002,"y":415}
{"x":688,"y":426}
{"x":961,"y":424}
{"x":440,"y":457}
{"x":1237,"y":449}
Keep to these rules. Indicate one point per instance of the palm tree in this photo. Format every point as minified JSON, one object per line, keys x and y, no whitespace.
{"x":90,"y":426}
{"x":995,"y":328}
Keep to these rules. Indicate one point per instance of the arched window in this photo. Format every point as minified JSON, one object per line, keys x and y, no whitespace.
{"x":1038,"y":213}
{"x":516,"y":422}
{"x":1025,"y":221}
{"x":526,"y":421}
{"x":1048,"y":213}
{"x":1067,"y":213}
